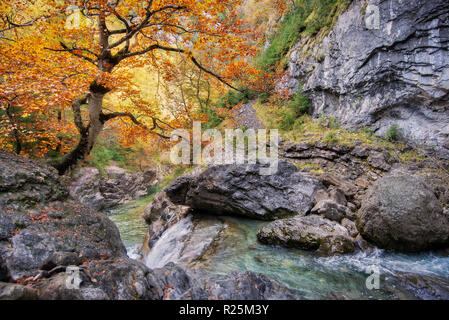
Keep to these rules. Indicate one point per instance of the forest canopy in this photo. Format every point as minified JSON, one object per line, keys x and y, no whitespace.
{"x":70,"y":68}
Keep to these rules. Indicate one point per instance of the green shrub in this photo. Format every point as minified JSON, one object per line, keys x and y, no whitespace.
{"x":393,"y":133}
{"x":300,"y":103}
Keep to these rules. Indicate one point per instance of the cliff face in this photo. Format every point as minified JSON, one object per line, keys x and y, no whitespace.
{"x":396,"y":74}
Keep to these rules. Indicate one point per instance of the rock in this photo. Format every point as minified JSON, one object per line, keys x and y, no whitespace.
{"x":360,"y":152}
{"x":10,"y":291}
{"x":120,"y":279}
{"x":241,"y":190}
{"x":363,"y":245}
{"x":310,"y":233}
{"x":320,"y":195}
{"x":334,"y":245}
{"x":92,"y":189}
{"x":379,"y":160}
{"x":78,"y":231}
{"x":174,"y":283}
{"x":160,"y":215}
{"x":331,"y":210}
{"x":334,"y":179}
{"x":401,"y":212}
{"x":392,"y":75}
{"x":4,"y":273}
{"x":350,"y":225}
{"x":338,"y":196}
{"x":414,"y":286}
{"x":27,"y":181}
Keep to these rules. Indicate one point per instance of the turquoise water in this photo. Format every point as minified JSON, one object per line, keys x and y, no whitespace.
{"x":310,"y":276}
{"x":133,"y":228}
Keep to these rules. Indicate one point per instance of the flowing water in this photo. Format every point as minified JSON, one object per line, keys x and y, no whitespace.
{"x":222,"y":245}
{"x":128,"y":219}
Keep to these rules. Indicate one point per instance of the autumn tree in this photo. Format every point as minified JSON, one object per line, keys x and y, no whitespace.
{"x":74,"y":54}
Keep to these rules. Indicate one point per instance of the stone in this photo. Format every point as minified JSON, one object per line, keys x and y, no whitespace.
{"x":309,"y":233}
{"x":11,"y":291}
{"x":401,"y":212}
{"x":173,"y":283}
{"x":350,"y":225}
{"x":411,"y":286}
{"x":334,"y":179}
{"x":338,"y":196}
{"x":320,"y":195}
{"x":379,"y":160}
{"x":27,"y":181}
{"x":242,"y":190}
{"x":119,"y":187}
{"x":330,"y":209}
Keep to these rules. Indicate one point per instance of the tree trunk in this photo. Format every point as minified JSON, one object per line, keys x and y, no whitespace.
{"x":88,"y":134}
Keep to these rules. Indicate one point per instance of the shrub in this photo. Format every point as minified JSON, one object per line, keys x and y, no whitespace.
{"x":393,"y":133}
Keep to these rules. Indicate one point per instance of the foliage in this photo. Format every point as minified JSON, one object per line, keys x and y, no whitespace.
{"x":393,"y":133}
{"x":107,"y":151}
{"x":305,"y":18}
{"x":49,"y":61}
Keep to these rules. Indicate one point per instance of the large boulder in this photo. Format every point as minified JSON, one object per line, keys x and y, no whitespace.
{"x":117,"y":186}
{"x":57,"y":233}
{"x":242,"y":190}
{"x":309,"y":233}
{"x":401,"y":212}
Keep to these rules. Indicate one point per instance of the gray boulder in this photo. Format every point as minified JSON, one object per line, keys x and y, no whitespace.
{"x":241,"y":190}
{"x":59,"y":233}
{"x":118,"y":186}
{"x":401,"y":212}
{"x":309,"y":233}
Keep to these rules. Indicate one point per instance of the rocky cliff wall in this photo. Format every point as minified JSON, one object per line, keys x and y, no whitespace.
{"x":396,"y":74}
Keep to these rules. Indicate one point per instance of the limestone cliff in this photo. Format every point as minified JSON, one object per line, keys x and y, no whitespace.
{"x":395,"y":72}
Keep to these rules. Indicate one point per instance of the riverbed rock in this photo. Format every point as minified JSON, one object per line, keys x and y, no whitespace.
{"x":418,"y":287}
{"x":173,"y":283}
{"x":242,"y":190}
{"x":401,"y":212}
{"x":119,"y":279}
{"x":350,"y":226}
{"x":309,"y":233}
{"x":118,"y":186}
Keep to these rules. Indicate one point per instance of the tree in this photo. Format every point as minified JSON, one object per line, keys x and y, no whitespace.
{"x":77,"y":58}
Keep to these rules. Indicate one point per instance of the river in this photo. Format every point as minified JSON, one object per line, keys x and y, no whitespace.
{"x":228,"y":244}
